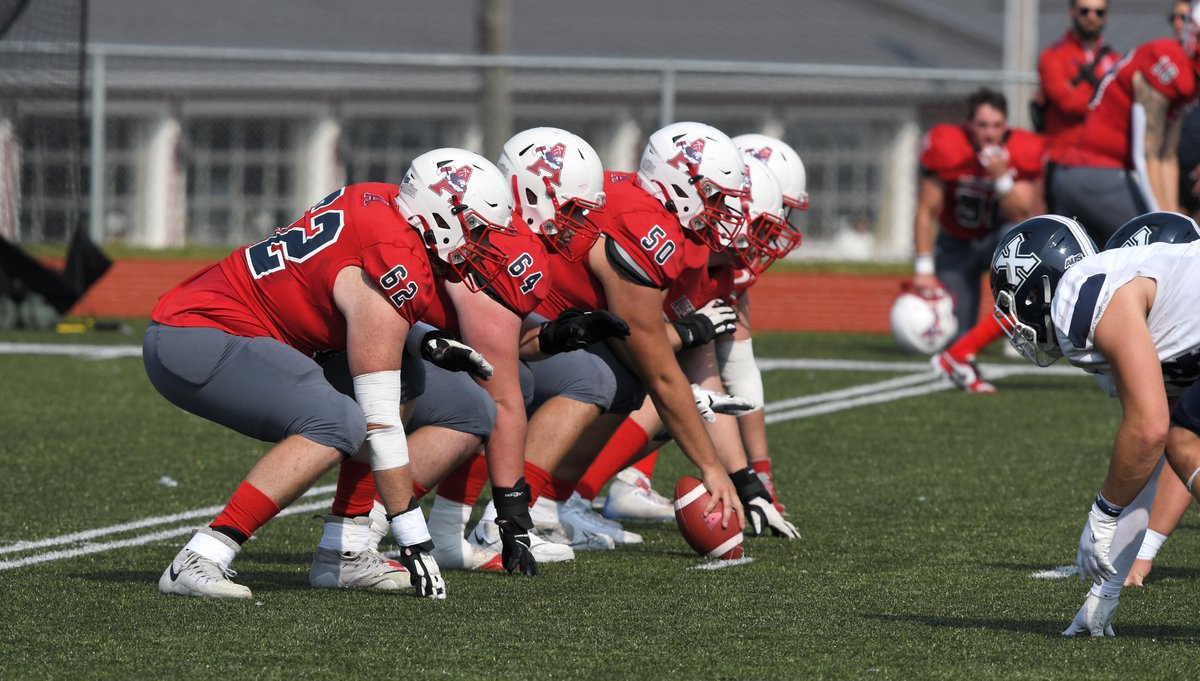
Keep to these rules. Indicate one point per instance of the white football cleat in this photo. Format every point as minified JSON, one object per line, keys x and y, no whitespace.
{"x":486,"y":535}
{"x":356,"y":570}
{"x":191,"y":574}
{"x":965,"y":375}
{"x":577,"y":518}
{"x":631,"y":497}
{"x":463,"y":555}
{"x":547,"y":519}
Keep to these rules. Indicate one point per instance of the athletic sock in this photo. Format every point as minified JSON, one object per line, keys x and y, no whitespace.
{"x":979,"y":337}
{"x":646,"y":465}
{"x":624,"y":444}
{"x":559,"y":489}
{"x":537,"y":478}
{"x":465,"y":483}
{"x":248,"y":509}
{"x":355,"y":494}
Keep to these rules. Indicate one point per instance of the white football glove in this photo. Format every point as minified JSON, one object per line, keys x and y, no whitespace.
{"x":1095,"y":542}
{"x":1095,"y":617}
{"x":762,"y":515}
{"x":710,"y":403}
{"x":423,"y":571}
{"x":722,"y":316}
{"x":444,"y":351}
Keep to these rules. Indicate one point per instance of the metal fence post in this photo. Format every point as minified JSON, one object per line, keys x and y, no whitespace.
{"x":96,"y":184}
{"x":666,"y":102}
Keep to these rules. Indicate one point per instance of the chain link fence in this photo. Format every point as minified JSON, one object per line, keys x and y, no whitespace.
{"x":211,"y":146}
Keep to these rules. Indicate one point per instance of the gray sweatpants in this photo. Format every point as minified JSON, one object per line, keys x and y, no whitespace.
{"x":1101,"y":199}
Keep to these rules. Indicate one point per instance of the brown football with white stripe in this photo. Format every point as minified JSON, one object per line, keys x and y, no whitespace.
{"x":704,"y":533}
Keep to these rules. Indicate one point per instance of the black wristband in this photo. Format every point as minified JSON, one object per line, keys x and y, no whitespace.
{"x":512,"y":504}
{"x":748,"y":485}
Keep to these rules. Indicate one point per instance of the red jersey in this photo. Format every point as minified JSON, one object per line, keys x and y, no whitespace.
{"x":646,"y":231}
{"x":282,"y":287}
{"x":970,"y":208}
{"x":1065,"y":92}
{"x":520,"y":287}
{"x":1106,"y":141}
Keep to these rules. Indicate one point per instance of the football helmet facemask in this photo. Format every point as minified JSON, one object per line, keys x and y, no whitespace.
{"x":696,"y":172}
{"x":1160,"y":227}
{"x":764,"y":235}
{"x":1026,"y":267}
{"x":557,"y":180}
{"x":783,"y":160}
{"x":454,"y":198}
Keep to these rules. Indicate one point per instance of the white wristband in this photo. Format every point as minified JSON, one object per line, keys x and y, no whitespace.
{"x":1003,"y":185}
{"x":378,"y":394}
{"x":923,"y":264}
{"x":409,"y":528}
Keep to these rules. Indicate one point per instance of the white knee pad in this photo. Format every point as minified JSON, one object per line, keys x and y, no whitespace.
{"x":378,"y":394}
{"x":739,"y":371}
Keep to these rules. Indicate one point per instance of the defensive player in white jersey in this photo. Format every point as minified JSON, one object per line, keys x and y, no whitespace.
{"x":1131,"y":317}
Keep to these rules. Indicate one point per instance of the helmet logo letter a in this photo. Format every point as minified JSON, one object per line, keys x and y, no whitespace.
{"x":453,"y":181}
{"x":549,"y":163}
{"x":1017,"y":267}
{"x":690,"y":154}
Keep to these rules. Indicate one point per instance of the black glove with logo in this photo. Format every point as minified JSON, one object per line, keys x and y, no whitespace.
{"x":761,"y":513}
{"x":702,"y":326}
{"x":441,"y":349}
{"x":512,"y":517}
{"x":575,"y":330}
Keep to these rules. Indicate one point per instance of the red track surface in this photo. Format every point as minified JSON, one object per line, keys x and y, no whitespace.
{"x":781,"y":302}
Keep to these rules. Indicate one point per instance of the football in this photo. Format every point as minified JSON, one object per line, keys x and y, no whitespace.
{"x":704,"y":532}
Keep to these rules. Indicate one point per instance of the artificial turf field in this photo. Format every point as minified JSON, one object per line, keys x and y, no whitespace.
{"x":924,"y":513}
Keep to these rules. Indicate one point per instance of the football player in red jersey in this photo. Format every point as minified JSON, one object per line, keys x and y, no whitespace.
{"x":233,"y":343}
{"x":688,"y":171}
{"x":1125,"y":162}
{"x":975,"y":179}
{"x":1069,"y":72}
{"x":764,"y":236}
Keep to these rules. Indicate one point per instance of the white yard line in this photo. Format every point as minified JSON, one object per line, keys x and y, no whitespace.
{"x":919,"y":381}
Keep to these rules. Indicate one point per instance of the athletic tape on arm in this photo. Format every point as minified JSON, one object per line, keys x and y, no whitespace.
{"x":739,"y":371}
{"x":378,"y":393}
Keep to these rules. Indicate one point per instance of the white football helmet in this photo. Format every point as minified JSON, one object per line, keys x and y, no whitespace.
{"x":786,"y":163}
{"x":692,"y":168}
{"x":764,"y":235}
{"x":454,"y":197}
{"x":923,"y":324}
{"x":557,"y":179}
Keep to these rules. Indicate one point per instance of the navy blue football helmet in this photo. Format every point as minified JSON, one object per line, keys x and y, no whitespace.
{"x":1027,"y":265}
{"x":1160,"y":227}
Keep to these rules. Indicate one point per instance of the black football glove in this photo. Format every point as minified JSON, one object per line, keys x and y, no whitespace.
{"x":575,"y":330}
{"x":761,"y":513}
{"x":441,"y":349}
{"x":704,"y":325}
{"x":423,"y":571}
{"x":512,"y":518}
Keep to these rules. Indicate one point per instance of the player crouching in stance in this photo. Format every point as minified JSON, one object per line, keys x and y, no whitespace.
{"x":234,"y":342}
{"x":1128,"y":316}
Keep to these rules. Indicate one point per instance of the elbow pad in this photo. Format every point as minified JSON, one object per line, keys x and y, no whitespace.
{"x":739,"y":371}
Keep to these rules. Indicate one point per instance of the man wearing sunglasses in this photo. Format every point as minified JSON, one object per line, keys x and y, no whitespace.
{"x":1125,"y":162}
{"x":1070,"y":70}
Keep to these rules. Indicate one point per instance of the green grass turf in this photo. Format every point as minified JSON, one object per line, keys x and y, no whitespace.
{"x":922,"y":520}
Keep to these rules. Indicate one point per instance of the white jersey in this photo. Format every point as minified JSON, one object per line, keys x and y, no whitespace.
{"x":1084,"y":292}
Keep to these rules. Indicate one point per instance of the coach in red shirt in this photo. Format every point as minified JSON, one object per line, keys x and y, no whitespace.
{"x":1069,"y":71}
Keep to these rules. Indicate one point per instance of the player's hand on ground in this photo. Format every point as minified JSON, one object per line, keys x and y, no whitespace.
{"x":441,"y":349}
{"x":716,"y":318}
{"x":1094,"y":618}
{"x":1095,"y":542}
{"x":514,"y":523}
{"x":423,"y":571}
{"x":724,"y":498}
{"x":763,"y":517}
{"x":515,"y":549}
{"x":1139,"y":572}
{"x":710,"y":403}
{"x":575,"y":330}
